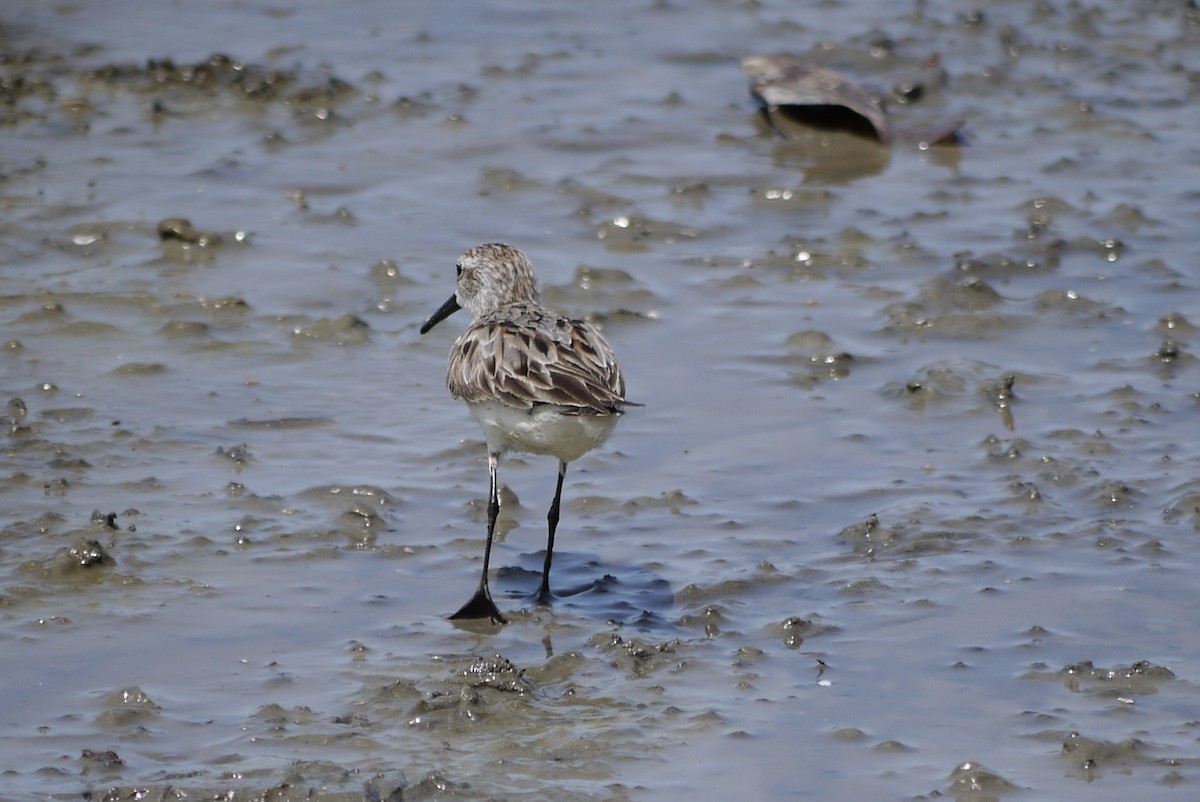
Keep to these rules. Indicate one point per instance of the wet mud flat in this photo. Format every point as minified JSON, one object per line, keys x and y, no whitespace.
{"x":910,"y":510}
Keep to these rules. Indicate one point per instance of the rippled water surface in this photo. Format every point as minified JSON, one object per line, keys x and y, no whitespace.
{"x":911,"y":508}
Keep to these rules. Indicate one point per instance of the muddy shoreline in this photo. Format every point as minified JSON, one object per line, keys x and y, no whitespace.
{"x":910,"y":509}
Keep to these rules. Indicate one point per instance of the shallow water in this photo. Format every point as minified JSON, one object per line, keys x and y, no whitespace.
{"x":911,"y":508}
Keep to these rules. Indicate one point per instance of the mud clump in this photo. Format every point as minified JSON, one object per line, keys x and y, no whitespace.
{"x":39,"y":87}
{"x":220,"y":74}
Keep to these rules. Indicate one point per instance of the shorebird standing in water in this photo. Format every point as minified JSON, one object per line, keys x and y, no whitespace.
{"x":536,"y":381}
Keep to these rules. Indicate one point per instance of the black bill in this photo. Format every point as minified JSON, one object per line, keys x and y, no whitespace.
{"x":446,"y":310}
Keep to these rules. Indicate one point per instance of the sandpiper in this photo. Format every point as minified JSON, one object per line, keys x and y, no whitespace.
{"x":536,"y":381}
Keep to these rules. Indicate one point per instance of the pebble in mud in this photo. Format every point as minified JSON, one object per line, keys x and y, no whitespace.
{"x":390,"y":283}
{"x":794,"y":631}
{"x":185,"y":330}
{"x":970,"y":780}
{"x":497,"y":672}
{"x":239,"y":456}
{"x":972,"y":386}
{"x":1089,"y":754}
{"x":87,"y":553}
{"x":817,"y":358}
{"x":637,"y":657}
{"x":1141,"y":677}
{"x":140,"y":369}
{"x":867,"y":536}
{"x":710,"y":619}
{"x":182,"y":242}
{"x":345,"y":330}
{"x":180,"y":229}
{"x":15,"y":411}
{"x":94,"y":760}
{"x":483,"y":687}
{"x":127,"y":709}
{"x":361,"y":524}
{"x":81,"y":558}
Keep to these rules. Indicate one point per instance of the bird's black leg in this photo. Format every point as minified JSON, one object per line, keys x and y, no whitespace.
{"x":543,"y":594}
{"x":481,"y":604}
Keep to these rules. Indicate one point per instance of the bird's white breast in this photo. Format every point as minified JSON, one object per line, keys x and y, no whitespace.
{"x":545,"y":429}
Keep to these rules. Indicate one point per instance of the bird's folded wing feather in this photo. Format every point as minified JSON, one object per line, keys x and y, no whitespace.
{"x":542,"y":359}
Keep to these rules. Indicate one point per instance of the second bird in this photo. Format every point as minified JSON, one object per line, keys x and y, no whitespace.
{"x":536,"y":381}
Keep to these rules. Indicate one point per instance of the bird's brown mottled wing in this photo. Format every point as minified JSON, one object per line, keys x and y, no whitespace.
{"x":523,"y":356}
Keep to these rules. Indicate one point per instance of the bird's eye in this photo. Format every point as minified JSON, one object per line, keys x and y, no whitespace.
{"x":458,"y":270}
